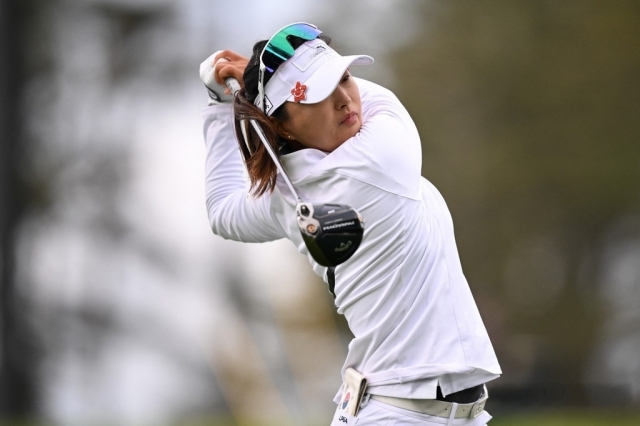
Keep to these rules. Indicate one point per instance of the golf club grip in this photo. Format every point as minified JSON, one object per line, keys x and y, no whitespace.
{"x":233,"y":85}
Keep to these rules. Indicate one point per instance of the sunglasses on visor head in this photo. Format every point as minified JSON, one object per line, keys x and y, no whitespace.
{"x":278,"y":49}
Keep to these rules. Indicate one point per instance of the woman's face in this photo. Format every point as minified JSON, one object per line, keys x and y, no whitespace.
{"x":328,"y":124}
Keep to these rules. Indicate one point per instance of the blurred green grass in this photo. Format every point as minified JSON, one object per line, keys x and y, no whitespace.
{"x":569,"y":418}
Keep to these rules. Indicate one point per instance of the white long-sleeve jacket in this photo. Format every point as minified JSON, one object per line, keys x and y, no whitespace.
{"x":403,"y":293}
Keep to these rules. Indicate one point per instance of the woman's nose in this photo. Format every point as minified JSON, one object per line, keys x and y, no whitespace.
{"x":342,"y":98}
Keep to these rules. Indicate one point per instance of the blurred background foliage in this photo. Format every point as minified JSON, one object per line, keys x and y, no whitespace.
{"x":117,"y":305}
{"x":529,"y":117}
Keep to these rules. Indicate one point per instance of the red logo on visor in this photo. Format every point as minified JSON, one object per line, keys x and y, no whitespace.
{"x":298,"y":92}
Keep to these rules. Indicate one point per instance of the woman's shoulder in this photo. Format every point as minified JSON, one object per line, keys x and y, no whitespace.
{"x":369,"y":89}
{"x":376,"y":98}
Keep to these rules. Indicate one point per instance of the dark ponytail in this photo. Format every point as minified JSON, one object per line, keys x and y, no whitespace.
{"x":260,"y":167}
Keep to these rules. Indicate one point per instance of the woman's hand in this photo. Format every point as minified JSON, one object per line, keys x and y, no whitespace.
{"x":229,"y":64}
{"x":216,"y":68}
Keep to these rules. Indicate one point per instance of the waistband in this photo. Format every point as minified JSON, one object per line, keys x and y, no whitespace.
{"x":434,"y":407}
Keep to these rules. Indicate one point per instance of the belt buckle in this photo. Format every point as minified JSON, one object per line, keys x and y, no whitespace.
{"x":477,"y":408}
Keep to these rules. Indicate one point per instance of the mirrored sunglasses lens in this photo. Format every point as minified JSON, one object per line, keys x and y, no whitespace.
{"x":279,"y":48}
{"x":272,"y":60}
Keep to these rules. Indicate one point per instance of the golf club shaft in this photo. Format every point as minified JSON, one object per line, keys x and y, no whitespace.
{"x":234,"y":86}
{"x":275,"y":158}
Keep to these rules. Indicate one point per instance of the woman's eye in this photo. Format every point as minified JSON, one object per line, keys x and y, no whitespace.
{"x":346,"y":78}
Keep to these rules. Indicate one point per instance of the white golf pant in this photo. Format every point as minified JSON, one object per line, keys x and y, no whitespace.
{"x":375,"y":413}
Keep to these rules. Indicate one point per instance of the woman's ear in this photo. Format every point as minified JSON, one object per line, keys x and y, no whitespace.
{"x":280,"y":128}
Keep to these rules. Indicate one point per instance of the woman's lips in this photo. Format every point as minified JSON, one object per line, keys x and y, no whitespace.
{"x":350,"y":119}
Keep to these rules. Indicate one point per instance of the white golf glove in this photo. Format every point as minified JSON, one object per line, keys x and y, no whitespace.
{"x":216,"y":91}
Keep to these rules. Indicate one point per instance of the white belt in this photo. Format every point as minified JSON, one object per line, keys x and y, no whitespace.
{"x":433,"y":407}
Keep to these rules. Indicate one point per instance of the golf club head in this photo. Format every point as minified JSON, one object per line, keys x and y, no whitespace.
{"x":331,"y":232}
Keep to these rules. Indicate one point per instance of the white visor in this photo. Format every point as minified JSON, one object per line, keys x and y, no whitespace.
{"x":308,"y":77}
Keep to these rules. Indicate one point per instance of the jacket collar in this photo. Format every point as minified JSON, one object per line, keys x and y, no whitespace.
{"x":300,"y":163}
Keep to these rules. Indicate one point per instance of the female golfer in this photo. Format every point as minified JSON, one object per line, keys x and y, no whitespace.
{"x":420,"y":352}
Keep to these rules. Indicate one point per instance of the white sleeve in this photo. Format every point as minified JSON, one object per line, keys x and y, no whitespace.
{"x":233,"y":213}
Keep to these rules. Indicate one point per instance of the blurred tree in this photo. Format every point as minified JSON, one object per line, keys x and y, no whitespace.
{"x":17,"y":362}
{"x":528,"y":112}
{"x":61,"y":191}
{"x":79,"y":255}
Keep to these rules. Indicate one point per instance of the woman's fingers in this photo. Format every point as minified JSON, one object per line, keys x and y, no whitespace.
{"x":229,"y":64}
